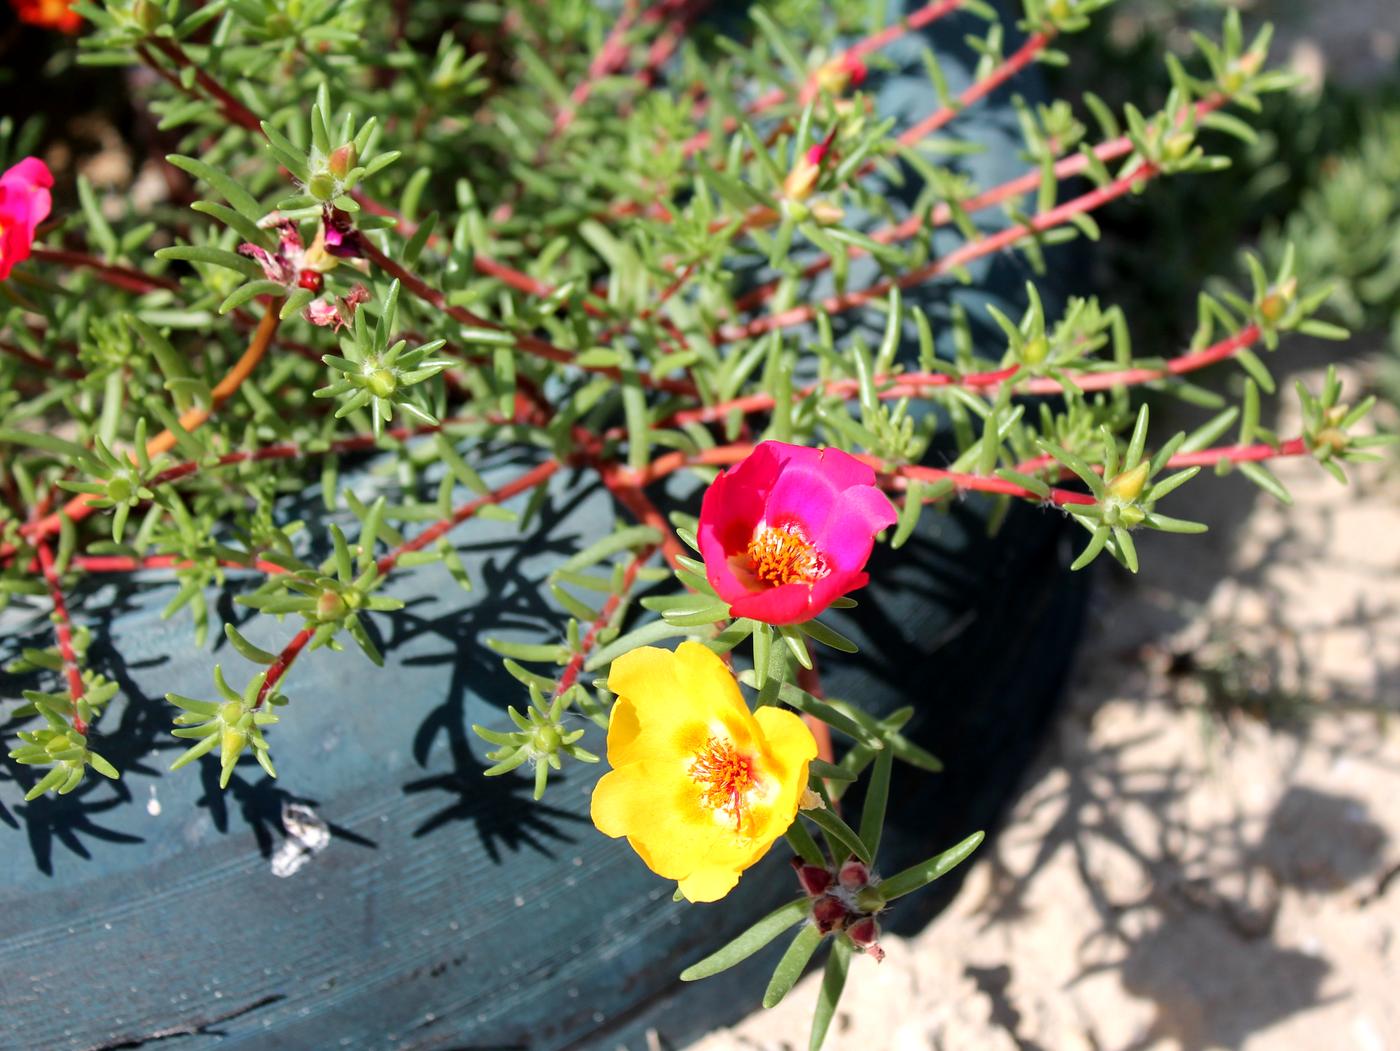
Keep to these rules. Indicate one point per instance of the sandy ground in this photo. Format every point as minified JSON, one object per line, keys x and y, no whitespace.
{"x":1207,"y":854}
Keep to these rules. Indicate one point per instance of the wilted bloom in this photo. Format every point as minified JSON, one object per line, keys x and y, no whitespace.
{"x":296,"y":266}
{"x":24,"y":204}
{"x":51,"y":14}
{"x":788,"y":531}
{"x":700,"y":786}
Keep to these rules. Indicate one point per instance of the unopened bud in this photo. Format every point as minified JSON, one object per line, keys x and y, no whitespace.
{"x":1333,"y":438}
{"x":1177,"y":145}
{"x":870,"y":899}
{"x":814,"y":879}
{"x":311,"y":280}
{"x":828,"y":914}
{"x":119,"y":489}
{"x":383,"y":383}
{"x":146,"y":15}
{"x":826,"y":213}
{"x":836,"y":76}
{"x":546,"y":739}
{"x":1036,"y":350}
{"x":866,"y":935}
{"x":342,"y":160}
{"x":1128,"y":485}
{"x":853,"y":875}
{"x":322,"y":186}
{"x":801,"y":180}
{"x":330,"y":606}
{"x":1273,"y":305}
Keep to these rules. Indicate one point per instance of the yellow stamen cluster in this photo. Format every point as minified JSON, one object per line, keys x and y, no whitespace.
{"x":783,"y":555}
{"x":725,"y":775}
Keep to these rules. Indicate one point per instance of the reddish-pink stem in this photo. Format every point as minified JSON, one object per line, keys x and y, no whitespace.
{"x":63,"y":629}
{"x":914,"y":384}
{"x":923,"y":16}
{"x":532,"y":345}
{"x":1065,"y":168}
{"x":605,"y":615}
{"x":1022,"y":57}
{"x":969,"y":252}
{"x":387,"y":562}
{"x":528,"y":480}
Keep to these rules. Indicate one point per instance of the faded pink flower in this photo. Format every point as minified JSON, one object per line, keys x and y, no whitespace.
{"x":788,"y":531}
{"x":24,"y":204}
{"x":296,"y":266}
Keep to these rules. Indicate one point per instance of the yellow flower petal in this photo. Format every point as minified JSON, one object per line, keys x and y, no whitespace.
{"x":708,"y":884}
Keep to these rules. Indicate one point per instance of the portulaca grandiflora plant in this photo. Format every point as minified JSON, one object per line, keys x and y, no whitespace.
{"x":426,"y":233}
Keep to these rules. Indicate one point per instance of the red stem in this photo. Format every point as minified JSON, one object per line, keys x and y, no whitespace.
{"x":1022,"y":57}
{"x":234,"y":110}
{"x":925,"y":15}
{"x":63,"y":629}
{"x":529,"y":344}
{"x":1065,"y":168}
{"x":605,"y":615}
{"x":961,"y":257}
{"x":386,"y":563}
{"x":528,"y":480}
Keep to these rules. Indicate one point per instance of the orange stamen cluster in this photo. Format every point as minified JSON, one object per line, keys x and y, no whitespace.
{"x":783,"y":555}
{"x":725,"y":776}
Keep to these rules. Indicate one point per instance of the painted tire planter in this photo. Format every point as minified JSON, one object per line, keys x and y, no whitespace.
{"x":448,"y":911}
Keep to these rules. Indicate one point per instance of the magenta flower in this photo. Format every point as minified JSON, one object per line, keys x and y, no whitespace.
{"x":24,"y":204}
{"x":788,"y":531}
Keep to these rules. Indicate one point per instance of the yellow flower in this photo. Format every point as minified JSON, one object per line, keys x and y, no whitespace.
{"x":700,"y":786}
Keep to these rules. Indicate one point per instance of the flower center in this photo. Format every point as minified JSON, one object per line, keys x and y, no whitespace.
{"x":783,"y":555}
{"x":725,"y":776}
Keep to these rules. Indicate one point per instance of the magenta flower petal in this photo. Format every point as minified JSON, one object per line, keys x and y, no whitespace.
{"x":24,"y":204}
{"x":802,"y":494}
{"x":787,"y":604}
{"x":849,"y":531}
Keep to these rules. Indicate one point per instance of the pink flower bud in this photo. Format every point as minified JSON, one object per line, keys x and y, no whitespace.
{"x":814,"y":879}
{"x":828,"y":914}
{"x":866,"y":935}
{"x":853,"y":875}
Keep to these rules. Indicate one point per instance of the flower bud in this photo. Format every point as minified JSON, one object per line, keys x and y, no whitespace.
{"x":322,"y":186}
{"x":802,"y":179}
{"x":870,"y":899}
{"x":828,"y":914}
{"x":1128,"y":485}
{"x":342,"y":160}
{"x":330,"y":606}
{"x":310,"y":280}
{"x":383,"y":382}
{"x":866,"y":935}
{"x":814,"y":879}
{"x":231,"y":745}
{"x":853,"y":875}
{"x":146,"y":15}
{"x":546,"y":739}
{"x":836,"y":76}
{"x":1177,"y":145}
{"x":826,"y":213}
{"x":1036,"y":350}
